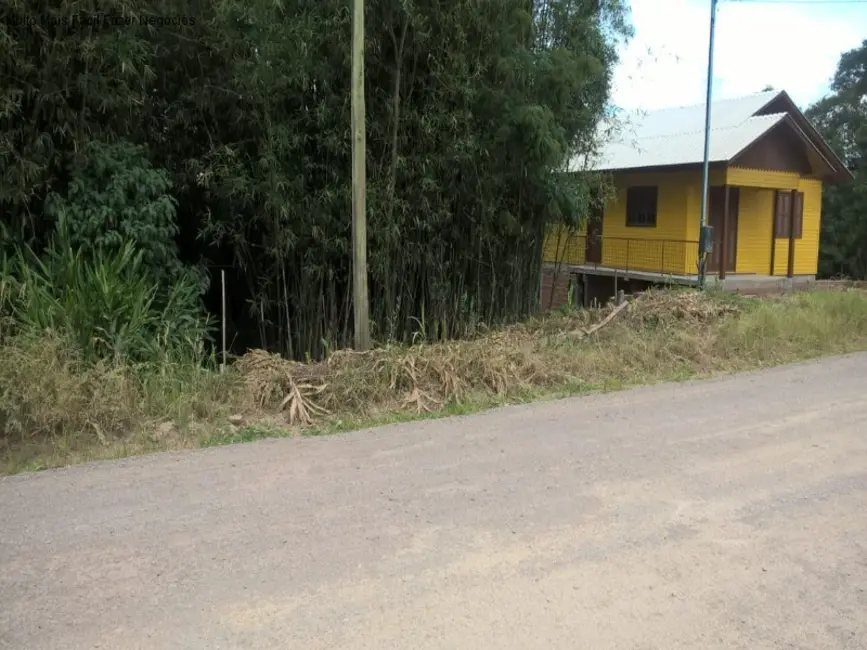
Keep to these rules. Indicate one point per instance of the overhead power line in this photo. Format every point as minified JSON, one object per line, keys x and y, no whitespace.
{"x":800,"y":2}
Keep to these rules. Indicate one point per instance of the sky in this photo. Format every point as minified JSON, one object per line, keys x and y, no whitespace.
{"x":792,"y":46}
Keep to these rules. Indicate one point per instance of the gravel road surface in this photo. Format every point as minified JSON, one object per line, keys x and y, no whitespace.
{"x":722,"y":514}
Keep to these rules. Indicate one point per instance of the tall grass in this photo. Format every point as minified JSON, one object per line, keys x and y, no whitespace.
{"x":105,"y":304}
{"x":92,"y":350}
{"x":61,"y":402}
{"x":803,"y":325}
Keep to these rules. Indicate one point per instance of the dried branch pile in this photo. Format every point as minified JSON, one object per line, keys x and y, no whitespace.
{"x":424,"y":378}
{"x":660,"y":308}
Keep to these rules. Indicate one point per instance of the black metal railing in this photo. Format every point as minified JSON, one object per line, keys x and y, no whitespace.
{"x":666,"y":256}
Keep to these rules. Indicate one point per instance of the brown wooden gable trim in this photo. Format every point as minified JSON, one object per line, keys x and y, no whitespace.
{"x":782,"y":103}
{"x":779,"y":150}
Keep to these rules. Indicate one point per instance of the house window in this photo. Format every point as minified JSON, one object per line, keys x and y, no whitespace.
{"x":783,"y":214}
{"x":641,"y":206}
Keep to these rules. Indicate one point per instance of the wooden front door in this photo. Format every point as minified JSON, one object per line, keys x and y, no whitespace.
{"x":716,"y":219}
{"x":593,"y":245}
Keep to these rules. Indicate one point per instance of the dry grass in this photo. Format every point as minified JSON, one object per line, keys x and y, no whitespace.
{"x":56,"y":410}
{"x":662,"y":335}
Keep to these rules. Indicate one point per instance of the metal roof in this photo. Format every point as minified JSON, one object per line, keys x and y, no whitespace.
{"x":675,"y":136}
{"x":687,"y":147}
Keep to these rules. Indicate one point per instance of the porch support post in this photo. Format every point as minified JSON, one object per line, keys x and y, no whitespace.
{"x":774,"y":232}
{"x":790,"y":269}
{"x":723,"y":254}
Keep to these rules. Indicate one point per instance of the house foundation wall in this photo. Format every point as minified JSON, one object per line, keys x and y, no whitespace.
{"x":554,"y":289}
{"x":589,"y":289}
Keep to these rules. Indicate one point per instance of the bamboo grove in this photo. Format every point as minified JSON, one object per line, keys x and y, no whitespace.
{"x":229,"y":121}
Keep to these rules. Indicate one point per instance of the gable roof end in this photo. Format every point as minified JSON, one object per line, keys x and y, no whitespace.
{"x":782,"y":99}
{"x":675,"y":136}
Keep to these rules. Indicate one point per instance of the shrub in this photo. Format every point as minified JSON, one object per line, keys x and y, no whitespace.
{"x":114,"y":197}
{"x":94,"y":349}
{"x":105,"y":304}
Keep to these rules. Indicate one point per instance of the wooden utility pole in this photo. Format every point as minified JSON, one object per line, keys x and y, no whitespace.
{"x":703,"y":231}
{"x":724,"y":238}
{"x":360,"y":305}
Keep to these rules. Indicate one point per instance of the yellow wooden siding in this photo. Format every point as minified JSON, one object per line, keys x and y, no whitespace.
{"x":642,"y":248}
{"x":716,"y":178}
{"x":740,"y":177}
{"x":755,"y":221}
{"x":670,"y":207}
{"x":781,"y":256}
{"x":807,"y":247}
{"x":678,"y":213}
{"x":756,"y":216}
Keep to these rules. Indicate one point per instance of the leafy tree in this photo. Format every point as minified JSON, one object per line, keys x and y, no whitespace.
{"x":478,"y":106}
{"x":841,"y":117}
{"x":63,"y":82}
{"x":114,"y":198}
{"x":474,"y":109}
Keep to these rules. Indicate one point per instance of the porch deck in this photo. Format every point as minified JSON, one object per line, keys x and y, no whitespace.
{"x":670,"y":261}
{"x":746,"y":283}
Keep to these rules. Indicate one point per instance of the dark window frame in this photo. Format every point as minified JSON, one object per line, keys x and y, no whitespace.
{"x":782,"y":214}
{"x":642,"y":206}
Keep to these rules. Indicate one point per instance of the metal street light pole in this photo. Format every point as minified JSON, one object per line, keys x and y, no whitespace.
{"x":704,"y":239}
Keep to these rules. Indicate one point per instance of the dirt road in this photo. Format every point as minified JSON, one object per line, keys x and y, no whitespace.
{"x":722,"y":514}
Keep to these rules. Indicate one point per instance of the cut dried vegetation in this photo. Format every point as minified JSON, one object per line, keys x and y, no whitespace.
{"x":421,"y":378}
{"x":657,"y":307}
{"x":58,"y":410}
{"x":656,"y":335}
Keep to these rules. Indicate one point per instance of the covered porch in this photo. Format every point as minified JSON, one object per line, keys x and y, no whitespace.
{"x":762,"y":243}
{"x":586,"y":284}
{"x":738,"y":282}
{"x":765,"y":225}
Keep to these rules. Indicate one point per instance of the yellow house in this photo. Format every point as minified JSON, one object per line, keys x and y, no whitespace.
{"x":767,"y":168}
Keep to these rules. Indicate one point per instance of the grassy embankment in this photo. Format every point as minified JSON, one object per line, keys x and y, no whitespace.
{"x":57,"y":408}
